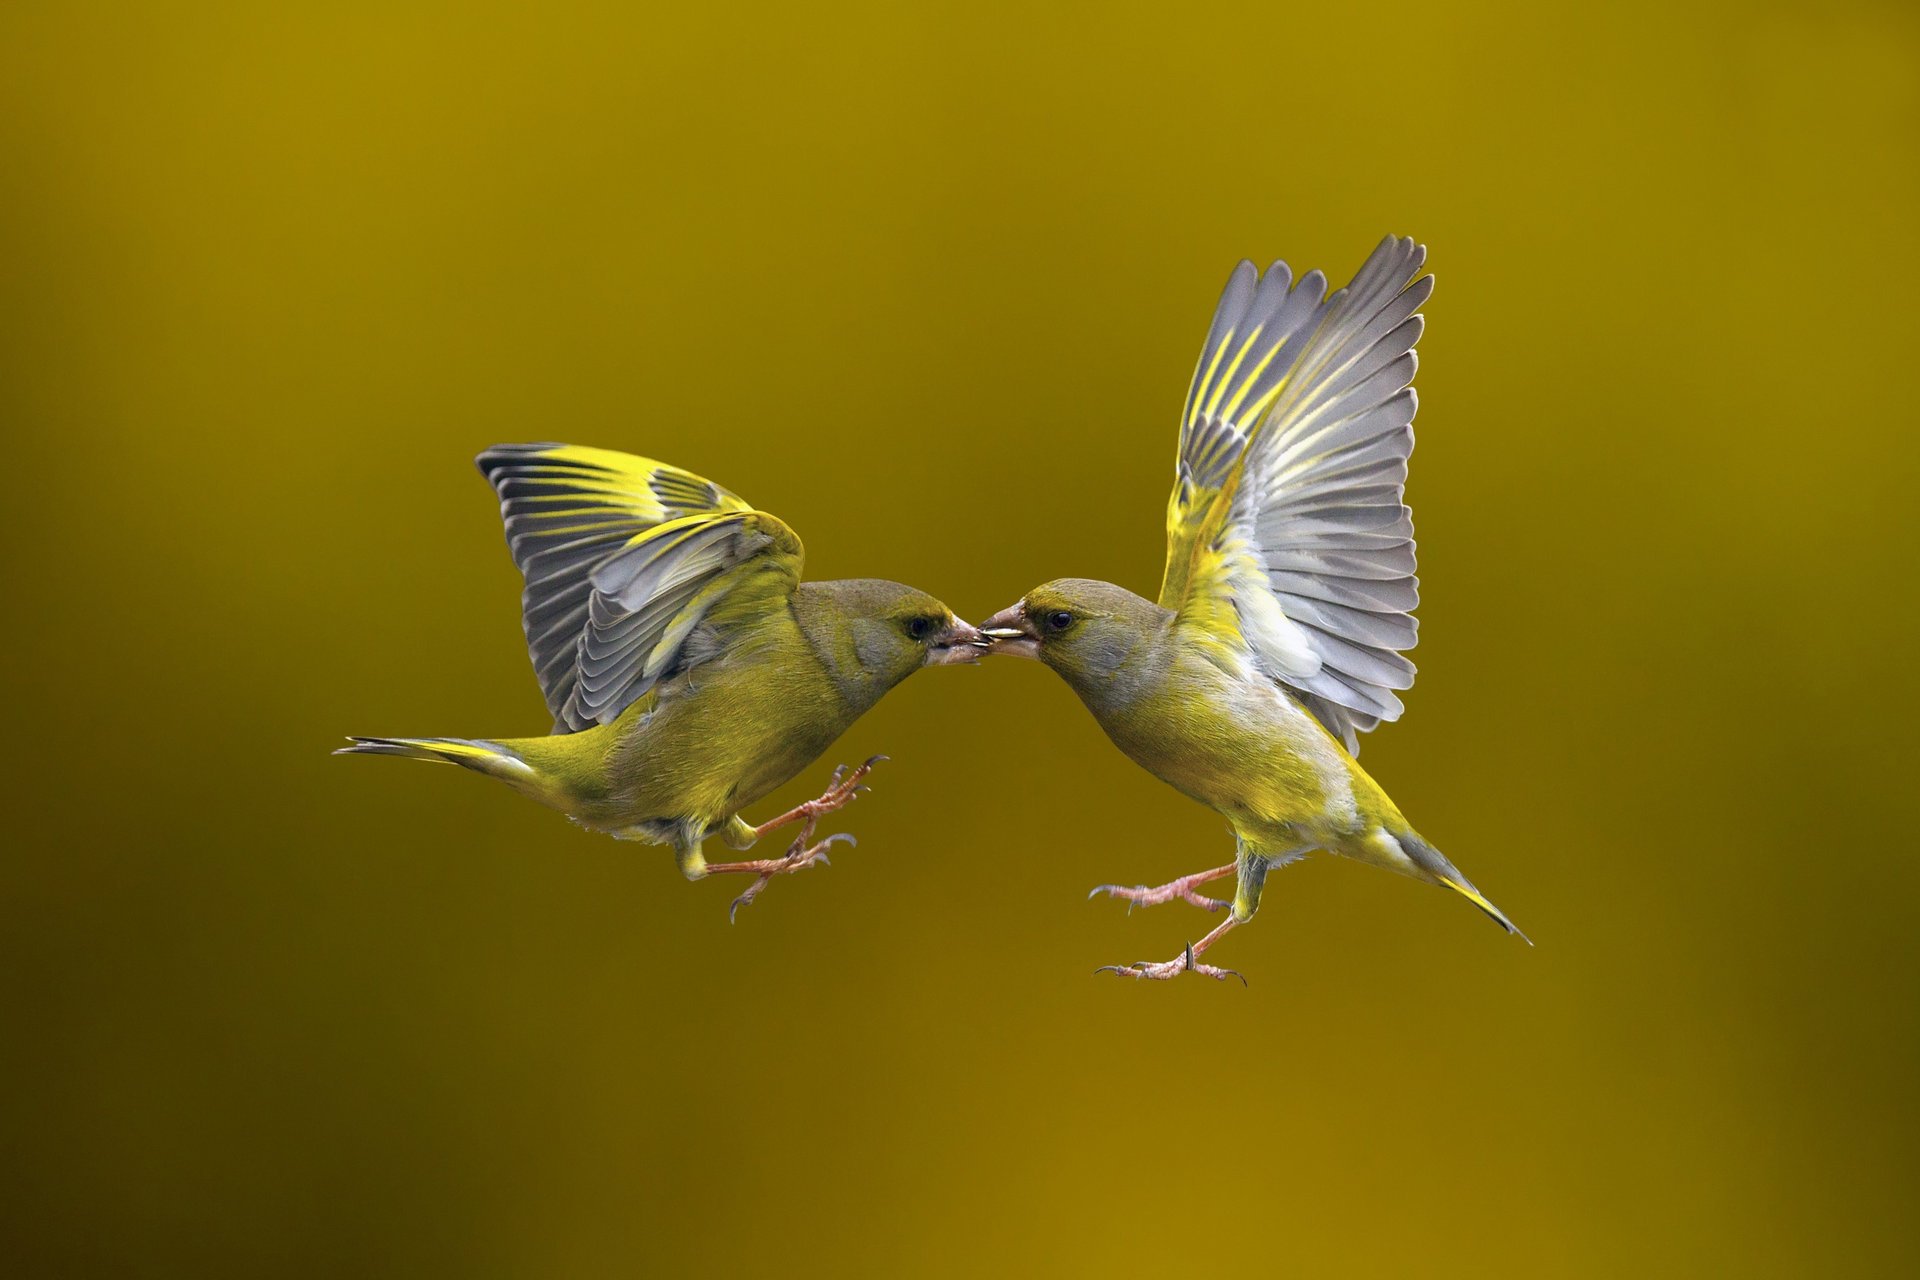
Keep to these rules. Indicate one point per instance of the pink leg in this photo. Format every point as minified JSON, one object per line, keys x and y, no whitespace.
{"x":1141,"y":896}
{"x":802,"y":853}
{"x":1187,"y":962}
{"x":839,"y":793}
{"x":798,"y":857}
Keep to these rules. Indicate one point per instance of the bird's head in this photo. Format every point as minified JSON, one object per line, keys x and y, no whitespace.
{"x":894,"y":630}
{"x":1086,"y":630}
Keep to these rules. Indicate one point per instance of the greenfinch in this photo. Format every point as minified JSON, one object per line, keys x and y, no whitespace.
{"x":688,"y":668}
{"x":1287,"y":600}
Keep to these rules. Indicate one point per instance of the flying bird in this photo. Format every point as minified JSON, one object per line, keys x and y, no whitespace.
{"x":1288,"y":595}
{"x":689,"y":670}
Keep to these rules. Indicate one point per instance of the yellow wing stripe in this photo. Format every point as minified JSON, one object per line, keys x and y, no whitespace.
{"x":602,"y":526}
{"x":1226,"y":380}
{"x":678,"y":531}
{"x":1207,"y":381}
{"x":1259,"y":410}
{"x":1247,"y":385}
{"x":1211,"y":407}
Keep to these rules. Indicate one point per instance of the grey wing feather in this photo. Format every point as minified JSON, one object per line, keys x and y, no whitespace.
{"x":1324,"y":467}
{"x":622,"y":557}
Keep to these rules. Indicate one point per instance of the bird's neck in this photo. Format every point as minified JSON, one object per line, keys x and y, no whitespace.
{"x":827,"y":629}
{"x":1115,"y":683}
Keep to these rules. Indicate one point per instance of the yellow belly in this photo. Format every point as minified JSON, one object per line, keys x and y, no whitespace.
{"x":700,"y":747}
{"x":1240,"y":745}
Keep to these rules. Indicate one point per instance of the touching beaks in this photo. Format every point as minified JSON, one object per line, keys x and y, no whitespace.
{"x":961,"y":642}
{"x":1010,"y":633}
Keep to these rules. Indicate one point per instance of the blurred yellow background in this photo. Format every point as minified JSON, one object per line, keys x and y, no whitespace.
{"x":928,"y":283}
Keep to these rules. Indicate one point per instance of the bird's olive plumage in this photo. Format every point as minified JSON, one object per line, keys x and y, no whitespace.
{"x":678,"y":764}
{"x":1287,"y":596}
{"x":1231,"y":739}
{"x":689,"y":670}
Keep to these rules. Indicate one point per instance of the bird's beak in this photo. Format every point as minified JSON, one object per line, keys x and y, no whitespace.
{"x":961,"y":642}
{"x":1009,"y":632}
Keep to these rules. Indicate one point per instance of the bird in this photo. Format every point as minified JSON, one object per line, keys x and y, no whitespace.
{"x":689,"y":670}
{"x":1287,"y":599}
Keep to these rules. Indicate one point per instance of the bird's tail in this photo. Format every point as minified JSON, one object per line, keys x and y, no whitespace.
{"x":1434,"y":863}
{"x":495,"y":759}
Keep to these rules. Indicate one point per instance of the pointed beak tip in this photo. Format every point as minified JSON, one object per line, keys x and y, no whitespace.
{"x":962,"y":643}
{"x":1010,"y":634}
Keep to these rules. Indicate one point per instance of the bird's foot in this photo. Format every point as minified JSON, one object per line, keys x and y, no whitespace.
{"x":1187,"y":961}
{"x":1166,"y":969}
{"x":1142,"y":896}
{"x":802,"y":853}
{"x":798,"y":858}
{"x":840,"y":792}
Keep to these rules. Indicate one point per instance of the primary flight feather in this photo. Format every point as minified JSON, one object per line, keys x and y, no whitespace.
{"x":1286,"y":605}
{"x":689,"y":670}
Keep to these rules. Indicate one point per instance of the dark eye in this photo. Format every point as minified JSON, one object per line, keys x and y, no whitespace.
{"x":1059,"y":620}
{"x":920,"y":628}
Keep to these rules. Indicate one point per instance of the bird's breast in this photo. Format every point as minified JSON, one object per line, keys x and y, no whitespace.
{"x":729,"y":732}
{"x":1238,"y":744}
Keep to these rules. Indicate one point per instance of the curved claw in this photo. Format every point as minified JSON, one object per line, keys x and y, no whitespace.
{"x":1117,"y":891}
{"x":1220,"y":975}
{"x":840,"y":835}
{"x":874,"y":760}
{"x":734,"y":909}
{"x":1212,"y":971}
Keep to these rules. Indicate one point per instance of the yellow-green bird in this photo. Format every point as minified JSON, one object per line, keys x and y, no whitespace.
{"x":1288,"y":594}
{"x":688,"y":668}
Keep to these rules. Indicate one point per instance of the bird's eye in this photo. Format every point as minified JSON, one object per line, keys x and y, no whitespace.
{"x":920,"y":628}
{"x":1059,"y":620}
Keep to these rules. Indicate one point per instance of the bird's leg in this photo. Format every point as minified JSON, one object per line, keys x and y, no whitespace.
{"x":839,"y":793}
{"x":803,"y":852}
{"x":798,"y":858}
{"x":1141,"y":896}
{"x":1187,"y":961}
{"x":1252,"y":868}
{"x":800,"y":855}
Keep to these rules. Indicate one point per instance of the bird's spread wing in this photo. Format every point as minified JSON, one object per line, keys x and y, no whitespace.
{"x":1286,"y":533}
{"x":624,"y":558}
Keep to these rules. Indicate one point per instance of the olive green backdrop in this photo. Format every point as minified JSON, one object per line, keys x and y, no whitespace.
{"x":928,"y":283}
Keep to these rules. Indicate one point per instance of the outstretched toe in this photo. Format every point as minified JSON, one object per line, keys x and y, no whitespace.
{"x":1167,"y":970}
{"x":798,"y":858}
{"x":1188,"y":961}
{"x":1141,"y":895}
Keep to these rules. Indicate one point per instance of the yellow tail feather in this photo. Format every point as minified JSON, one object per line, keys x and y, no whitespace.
{"x":1435,"y":866}
{"x":1474,"y":896}
{"x":489,"y":758}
